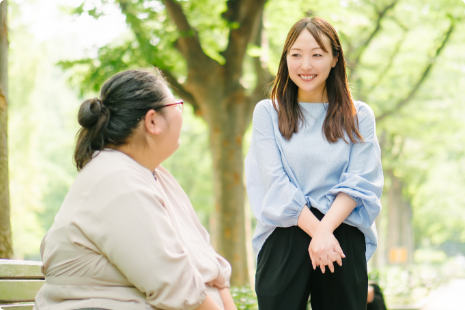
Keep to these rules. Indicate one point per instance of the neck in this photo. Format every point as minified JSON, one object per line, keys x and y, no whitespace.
{"x":141,"y":154}
{"x":315,"y":96}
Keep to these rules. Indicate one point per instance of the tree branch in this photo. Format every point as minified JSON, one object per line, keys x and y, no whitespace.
{"x":423,"y":77}
{"x":390,"y":61}
{"x":361,"y":49}
{"x":264,"y":76}
{"x":242,"y":16}
{"x":179,"y":89}
{"x":136,"y":26}
{"x":347,"y":40}
{"x":188,"y":43}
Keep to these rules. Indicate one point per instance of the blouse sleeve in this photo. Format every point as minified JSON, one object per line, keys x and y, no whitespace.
{"x":363,"y":179}
{"x":224,"y":276}
{"x":274,"y":199}
{"x":135,"y":232}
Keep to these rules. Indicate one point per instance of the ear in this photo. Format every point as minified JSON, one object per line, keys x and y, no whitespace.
{"x":335,"y":59}
{"x":153,"y":122}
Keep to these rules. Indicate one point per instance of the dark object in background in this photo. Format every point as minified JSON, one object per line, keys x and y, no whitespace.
{"x":378,"y":300}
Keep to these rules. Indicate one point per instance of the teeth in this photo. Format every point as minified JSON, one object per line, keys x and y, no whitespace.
{"x":307,"y":77}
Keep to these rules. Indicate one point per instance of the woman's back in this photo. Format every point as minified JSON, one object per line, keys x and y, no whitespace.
{"x":127,"y":239}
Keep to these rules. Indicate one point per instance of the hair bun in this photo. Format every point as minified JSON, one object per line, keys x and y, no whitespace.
{"x":89,"y":112}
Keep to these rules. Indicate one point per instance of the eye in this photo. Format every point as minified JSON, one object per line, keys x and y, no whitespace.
{"x":295,"y":55}
{"x":318,"y":55}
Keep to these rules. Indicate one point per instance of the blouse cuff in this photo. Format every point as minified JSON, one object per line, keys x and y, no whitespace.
{"x":301,"y":203}
{"x":349,"y":192}
{"x":358,"y":201}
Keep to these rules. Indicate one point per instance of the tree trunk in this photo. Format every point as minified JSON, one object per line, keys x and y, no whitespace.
{"x":400,"y":232}
{"x":6,"y":248}
{"x":227,"y":126}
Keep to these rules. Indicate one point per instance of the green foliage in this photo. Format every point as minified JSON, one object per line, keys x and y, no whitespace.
{"x":191,"y":165}
{"x":244,"y":298}
{"x":41,"y":136}
{"x":403,"y":285}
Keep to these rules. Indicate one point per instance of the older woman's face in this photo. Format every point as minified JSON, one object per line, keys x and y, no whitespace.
{"x":173,"y":116}
{"x":309,"y":65}
{"x":165,"y":138}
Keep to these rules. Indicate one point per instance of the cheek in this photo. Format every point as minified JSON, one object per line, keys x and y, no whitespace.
{"x":177,"y":123}
{"x":292,"y":66}
{"x":324,"y":66}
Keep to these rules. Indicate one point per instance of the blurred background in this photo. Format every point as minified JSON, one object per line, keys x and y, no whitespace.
{"x":407,"y":61}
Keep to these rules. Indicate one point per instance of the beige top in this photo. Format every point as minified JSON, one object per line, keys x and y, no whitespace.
{"x":125,"y":238}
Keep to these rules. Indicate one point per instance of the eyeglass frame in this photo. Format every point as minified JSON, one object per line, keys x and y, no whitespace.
{"x":177,"y":102}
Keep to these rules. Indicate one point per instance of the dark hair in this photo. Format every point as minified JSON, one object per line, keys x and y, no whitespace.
{"x":124,"y":100}
{"x":341,"y":115}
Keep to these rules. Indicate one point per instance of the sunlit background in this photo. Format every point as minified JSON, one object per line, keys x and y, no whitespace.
{"x":421,"y":121}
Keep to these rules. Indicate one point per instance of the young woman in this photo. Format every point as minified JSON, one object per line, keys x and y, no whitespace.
{"x":126,"y":236}
{"x":314,"y":179}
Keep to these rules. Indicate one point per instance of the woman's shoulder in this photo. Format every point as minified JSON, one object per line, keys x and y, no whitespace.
{"x":366,"y":120}
{"x":115,"y":169}
{"x":365,"y":113}
{"x":265,"y":108}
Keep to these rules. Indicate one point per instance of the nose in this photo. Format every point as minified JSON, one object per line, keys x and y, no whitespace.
{"x":306,"y":64}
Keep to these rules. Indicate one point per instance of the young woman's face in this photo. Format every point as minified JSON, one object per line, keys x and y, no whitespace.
{"x":309,"y":66}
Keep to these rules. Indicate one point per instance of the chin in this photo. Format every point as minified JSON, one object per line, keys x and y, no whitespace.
{"x":176,"y":147}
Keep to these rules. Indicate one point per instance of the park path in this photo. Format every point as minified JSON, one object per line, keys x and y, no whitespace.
{"x":448,"y":297}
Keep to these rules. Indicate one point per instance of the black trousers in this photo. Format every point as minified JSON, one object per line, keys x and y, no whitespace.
{"x":285,"y":277}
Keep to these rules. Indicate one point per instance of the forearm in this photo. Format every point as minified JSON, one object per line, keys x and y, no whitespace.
{"x":208,"y":304}
{"x":342,"y":206}
{"x":308,"y":221}
{"x":227,"y":299}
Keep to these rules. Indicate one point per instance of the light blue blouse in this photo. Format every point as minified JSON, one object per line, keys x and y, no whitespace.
{"x":284,"y":176}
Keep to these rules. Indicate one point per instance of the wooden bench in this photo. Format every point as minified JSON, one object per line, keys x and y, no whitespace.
{"x":19,"y":283}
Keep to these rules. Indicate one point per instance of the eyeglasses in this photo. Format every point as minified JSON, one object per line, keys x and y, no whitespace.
{"x":179,"y":105}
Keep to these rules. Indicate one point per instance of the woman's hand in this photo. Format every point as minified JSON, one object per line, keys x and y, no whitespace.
{"x":324,"y":249}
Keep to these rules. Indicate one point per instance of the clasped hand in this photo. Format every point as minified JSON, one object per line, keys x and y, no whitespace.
{"x":324,"y":249}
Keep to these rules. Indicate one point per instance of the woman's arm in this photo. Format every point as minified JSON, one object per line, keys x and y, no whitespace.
{"x":275,"y":200}
{"x":132,"y":243}
{"x":209,"y":304}
{"x":357,"y":195}
{"x":323,"y":244}
{"x":342,"y":206}
{"x":227,"y":299}
{"x":308,"y":221}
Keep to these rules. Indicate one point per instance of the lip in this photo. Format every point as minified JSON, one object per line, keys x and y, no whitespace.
{"x":306,"y":79}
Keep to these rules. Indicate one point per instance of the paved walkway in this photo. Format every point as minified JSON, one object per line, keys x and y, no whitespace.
{"x":448,"y":297}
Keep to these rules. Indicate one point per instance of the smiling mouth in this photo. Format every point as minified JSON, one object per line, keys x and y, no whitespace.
{"x":307,"y":77}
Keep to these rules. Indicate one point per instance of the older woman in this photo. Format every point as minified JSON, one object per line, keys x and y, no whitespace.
{"x":126,"y":236}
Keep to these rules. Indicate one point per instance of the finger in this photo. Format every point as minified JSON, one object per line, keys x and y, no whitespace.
{"x":312,"y":259}
{"x":338,"y":259}
{"x":339,"y":251}
{"x":331,"y":266}
{"x":335,"y":257}
{"x":322,"y":266}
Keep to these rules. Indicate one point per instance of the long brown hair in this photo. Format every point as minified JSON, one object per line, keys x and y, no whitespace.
{"x":341,"y":116}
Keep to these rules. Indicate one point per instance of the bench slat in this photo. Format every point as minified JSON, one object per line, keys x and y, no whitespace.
{"x":18,"y":269}
{"x":19,"y":290}
{"x":25,"y":306}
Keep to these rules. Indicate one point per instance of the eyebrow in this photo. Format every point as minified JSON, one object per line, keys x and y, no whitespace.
{"x":296,"y":48}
